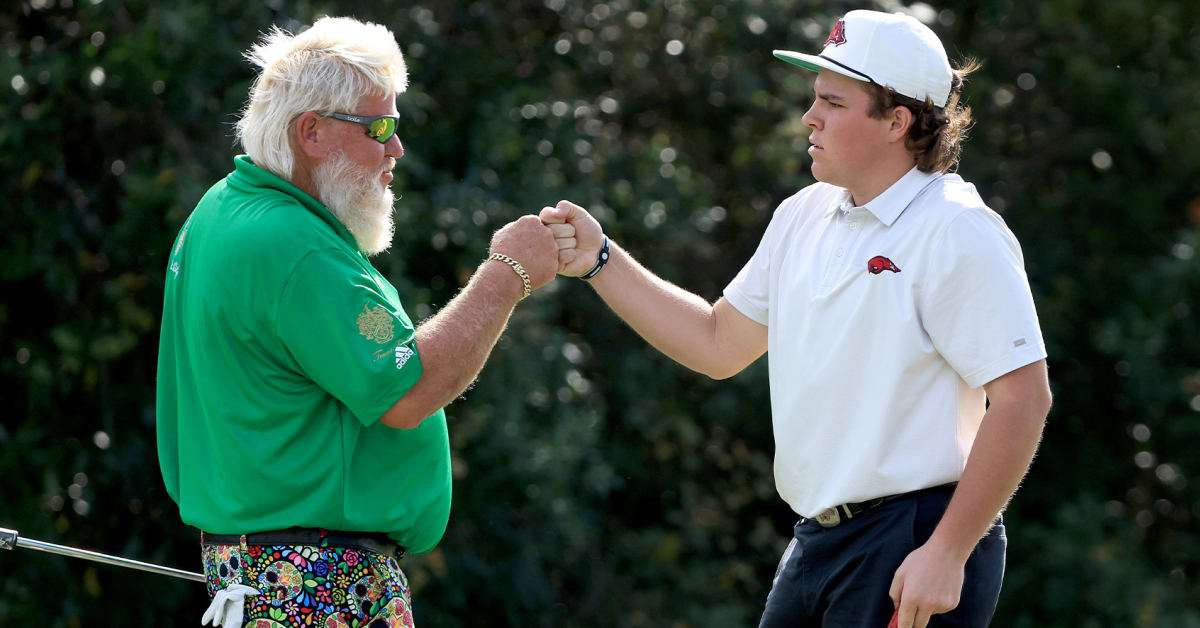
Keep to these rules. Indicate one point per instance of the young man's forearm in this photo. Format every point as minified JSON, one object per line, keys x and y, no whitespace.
{"x":678,"y":323}
{"x":716,"y":340}
{"x":1004,"y":447}
{"x":930,"y":580}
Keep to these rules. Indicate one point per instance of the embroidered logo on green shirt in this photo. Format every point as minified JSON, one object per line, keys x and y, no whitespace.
{"x":375,"y":323}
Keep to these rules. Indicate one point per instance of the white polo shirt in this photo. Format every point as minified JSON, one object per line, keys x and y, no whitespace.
{"x":884,"y":321}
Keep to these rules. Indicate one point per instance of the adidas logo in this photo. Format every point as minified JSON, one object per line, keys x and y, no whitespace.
{"x":402,"y":355}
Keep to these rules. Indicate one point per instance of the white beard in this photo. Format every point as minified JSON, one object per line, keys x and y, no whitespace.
{"x":355,"y":197}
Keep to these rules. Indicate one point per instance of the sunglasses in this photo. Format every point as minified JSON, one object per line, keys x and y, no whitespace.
{"x":379,"y":128}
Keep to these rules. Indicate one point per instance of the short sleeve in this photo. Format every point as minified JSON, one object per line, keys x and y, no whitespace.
{"x":346,"y":335}
{"x":976,"y":304}
{"x":750,"y":290}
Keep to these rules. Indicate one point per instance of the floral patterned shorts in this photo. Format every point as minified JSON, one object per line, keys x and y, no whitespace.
{"x":309,"y":586}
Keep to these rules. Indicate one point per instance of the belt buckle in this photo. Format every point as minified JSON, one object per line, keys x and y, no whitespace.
{"x":828,"y":518}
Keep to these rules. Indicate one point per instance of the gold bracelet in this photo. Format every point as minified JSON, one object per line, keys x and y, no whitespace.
{"x":517,"y":268}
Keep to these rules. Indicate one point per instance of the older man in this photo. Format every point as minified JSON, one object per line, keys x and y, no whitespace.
{"x":300,"y":421}
{"x":908,"y":373}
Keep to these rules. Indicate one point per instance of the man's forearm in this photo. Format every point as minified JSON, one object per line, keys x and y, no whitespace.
{"x":1003,"y":450}
{"x":454,"y":344}
{"x":716,"y":340}
{"x":676,"y":322}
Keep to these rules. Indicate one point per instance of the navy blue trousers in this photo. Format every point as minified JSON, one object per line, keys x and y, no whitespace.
{"x":839,"y":577}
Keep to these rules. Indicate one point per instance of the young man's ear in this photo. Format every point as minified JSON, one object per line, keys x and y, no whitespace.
{"x":901,"y":119}
{"x":307,"y":134}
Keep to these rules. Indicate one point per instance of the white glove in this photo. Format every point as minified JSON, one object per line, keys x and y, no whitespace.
{"x":226,"y":607}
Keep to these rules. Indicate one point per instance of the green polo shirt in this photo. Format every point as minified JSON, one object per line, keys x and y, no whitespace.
{"x":281,"y":347}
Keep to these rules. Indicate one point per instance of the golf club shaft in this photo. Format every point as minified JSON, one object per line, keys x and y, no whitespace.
{"x":10,"y":538}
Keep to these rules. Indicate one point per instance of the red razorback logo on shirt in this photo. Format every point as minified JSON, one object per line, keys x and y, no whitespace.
{"x":837,"y":36}
{"x":879,"y":263}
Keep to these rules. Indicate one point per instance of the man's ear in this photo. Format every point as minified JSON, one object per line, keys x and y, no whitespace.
{"x":309,"y":135}
{"x":901,"y":119}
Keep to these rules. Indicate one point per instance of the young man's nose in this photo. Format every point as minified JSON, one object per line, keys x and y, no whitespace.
{"x":809,"y":118}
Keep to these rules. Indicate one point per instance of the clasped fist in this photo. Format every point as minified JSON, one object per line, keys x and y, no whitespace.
{"x":532,"y":244}
{"x":577,"y":234}
{"x":565,"y":239}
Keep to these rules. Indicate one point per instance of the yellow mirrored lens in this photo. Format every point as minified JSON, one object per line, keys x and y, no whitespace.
{"x":382,"y":129}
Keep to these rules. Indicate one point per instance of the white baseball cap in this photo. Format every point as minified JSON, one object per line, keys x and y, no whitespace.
{"x":889,"y":49}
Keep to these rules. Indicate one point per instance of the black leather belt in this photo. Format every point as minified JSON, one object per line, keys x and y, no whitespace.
{"x":369,"y":541}
{"x":831,"y":517}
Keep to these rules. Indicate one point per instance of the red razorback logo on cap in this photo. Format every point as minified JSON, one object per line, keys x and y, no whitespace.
{"x":879,"y":263}
{"x":837,"y":36}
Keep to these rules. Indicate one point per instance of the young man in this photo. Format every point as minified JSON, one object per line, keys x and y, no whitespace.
{"x":300,"y":421}
{"x":908,"y":380}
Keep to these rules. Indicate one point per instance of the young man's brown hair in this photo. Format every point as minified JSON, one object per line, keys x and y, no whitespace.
{"x":937,"y":133}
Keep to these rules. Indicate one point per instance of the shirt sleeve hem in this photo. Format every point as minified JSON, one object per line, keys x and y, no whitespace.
{"x":385,"y":400}
{"x":742,"y":304}
{"x":1006,"y":364}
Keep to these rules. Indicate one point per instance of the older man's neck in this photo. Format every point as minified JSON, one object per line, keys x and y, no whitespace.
{"x":302,"y":177}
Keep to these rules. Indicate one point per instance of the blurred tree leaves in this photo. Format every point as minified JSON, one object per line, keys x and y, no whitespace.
{"x":598,"y":483}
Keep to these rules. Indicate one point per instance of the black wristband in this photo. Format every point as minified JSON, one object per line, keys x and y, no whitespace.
{"x":601,"y":260}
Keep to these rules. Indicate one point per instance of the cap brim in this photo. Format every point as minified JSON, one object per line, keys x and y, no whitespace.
{"x":815,"y":63}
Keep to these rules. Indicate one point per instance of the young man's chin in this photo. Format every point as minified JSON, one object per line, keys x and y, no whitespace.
{"x":820,"y":173}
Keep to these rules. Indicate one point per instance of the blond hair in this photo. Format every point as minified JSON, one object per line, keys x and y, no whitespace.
{"x":328,"y":68}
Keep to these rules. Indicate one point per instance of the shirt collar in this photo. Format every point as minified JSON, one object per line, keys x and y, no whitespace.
{"x":247,"y":173}
{"x":888,"y":206}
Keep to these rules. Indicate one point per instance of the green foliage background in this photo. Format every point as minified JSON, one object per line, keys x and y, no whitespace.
{"x":598,"y":483}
